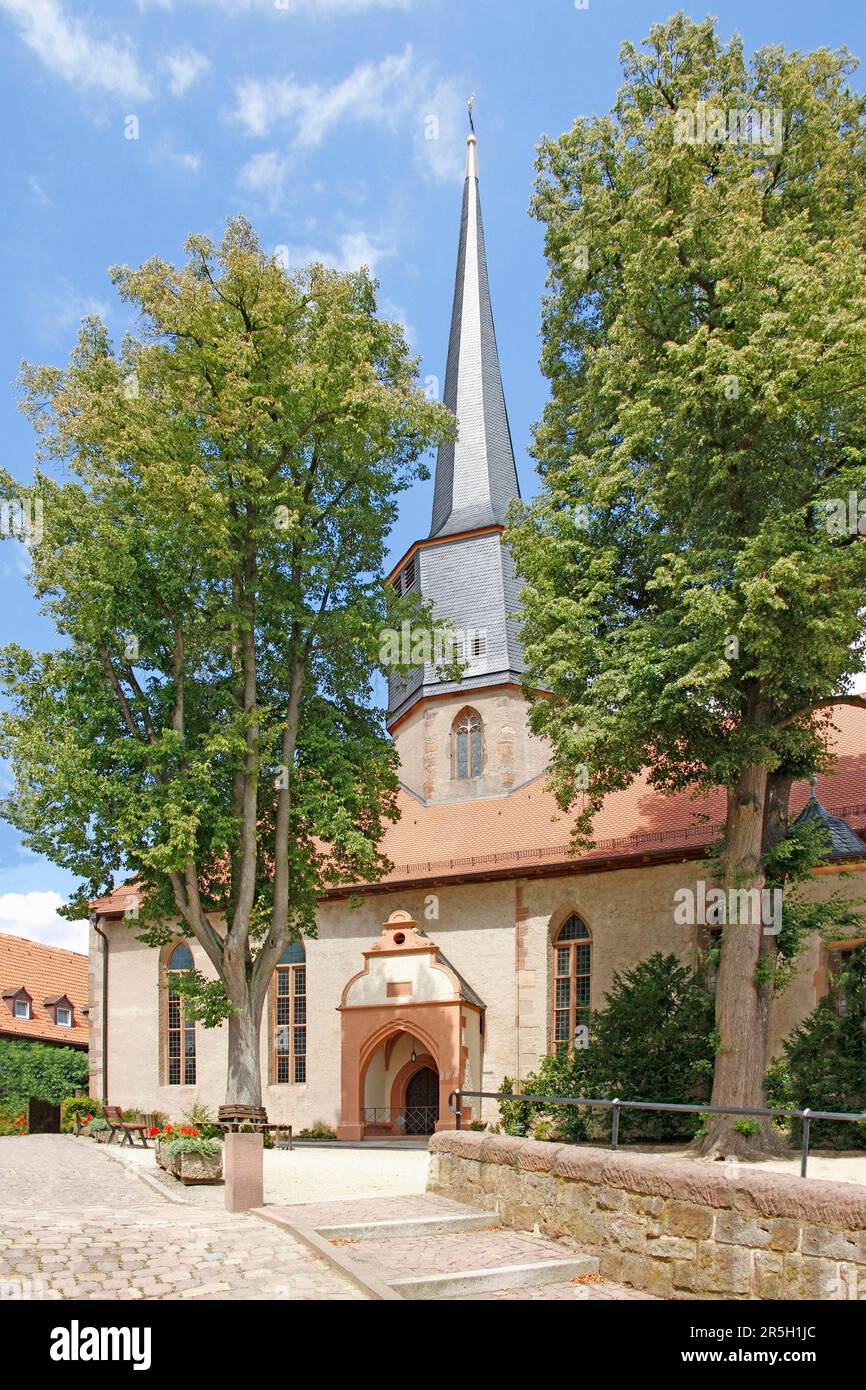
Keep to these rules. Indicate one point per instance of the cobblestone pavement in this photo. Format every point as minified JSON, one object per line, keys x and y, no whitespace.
{"x":74,"y":1224}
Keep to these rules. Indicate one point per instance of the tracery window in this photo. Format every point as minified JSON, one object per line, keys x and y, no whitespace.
{"x":467,"y":734}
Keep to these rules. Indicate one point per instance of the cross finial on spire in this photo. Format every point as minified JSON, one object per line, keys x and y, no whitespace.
{"x":470,"y":102}
{"x":812,"y":783}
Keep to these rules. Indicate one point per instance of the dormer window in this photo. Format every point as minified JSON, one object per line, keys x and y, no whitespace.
{"x":60,"y":1010}
{"x":478,"y":645}
{"x":19,"y":1003}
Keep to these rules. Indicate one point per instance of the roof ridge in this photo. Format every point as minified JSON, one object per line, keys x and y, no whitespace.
{"x":43,"y":945}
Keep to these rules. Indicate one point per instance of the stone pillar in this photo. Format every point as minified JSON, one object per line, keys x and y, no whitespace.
{"x":243,"y":1163}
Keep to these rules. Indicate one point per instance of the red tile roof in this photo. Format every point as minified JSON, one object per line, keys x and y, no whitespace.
{"x":527,"y":832}
{"x":46,"y":972}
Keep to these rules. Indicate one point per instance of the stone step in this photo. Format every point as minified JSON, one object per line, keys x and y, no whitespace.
{"x":436,"y":1225}
{"x":494,"y":1279}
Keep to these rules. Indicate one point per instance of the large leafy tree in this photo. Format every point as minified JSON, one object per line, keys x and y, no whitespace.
{"x":212,"y":555}
{"x":688,"y":601}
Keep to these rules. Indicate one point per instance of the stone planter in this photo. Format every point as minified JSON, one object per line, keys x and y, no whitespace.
{"x":191,"y":1167}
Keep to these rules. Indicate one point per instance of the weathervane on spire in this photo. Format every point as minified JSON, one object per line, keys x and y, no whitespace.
{"x":469,"y":105}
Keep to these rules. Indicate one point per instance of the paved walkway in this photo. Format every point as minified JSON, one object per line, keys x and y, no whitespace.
{"x":310,"y":1173}
{"x":74,"y":1224}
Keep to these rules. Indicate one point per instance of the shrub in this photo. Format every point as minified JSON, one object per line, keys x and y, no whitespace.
{"x":189,"y":1144}
{"x":199,"y":1117}
{"x":97,"y":1126}
{"x":652,"y":1041}
{"x":823,"y":1066}
{"x":39,"y":1070}
{"x":516,"y":1116}
{"x":13,"y":1120}
{"x":77,"y":1105}
{"x":318,"y":1130}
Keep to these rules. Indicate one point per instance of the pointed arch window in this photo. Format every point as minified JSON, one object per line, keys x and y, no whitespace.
{"x":289,"y":1061}
{"x":572,"y":979}
{"x":179,"y":1031}
{"x":467,"y":737}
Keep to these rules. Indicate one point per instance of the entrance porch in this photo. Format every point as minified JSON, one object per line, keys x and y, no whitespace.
{"x":412,"y":1031}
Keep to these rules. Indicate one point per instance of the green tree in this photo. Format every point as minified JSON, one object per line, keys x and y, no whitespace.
{"x":823,"y":1064}
{"x":212,"y":557}
{"x":653,"y":1041}
{"x":689,"y":598}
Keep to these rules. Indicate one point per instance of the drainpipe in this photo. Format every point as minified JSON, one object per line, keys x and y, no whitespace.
{"x":100,"y":932}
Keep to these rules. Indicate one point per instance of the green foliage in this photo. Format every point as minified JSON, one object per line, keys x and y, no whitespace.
{"x":515,"y":1116}
{"x":39,"y":1070}
{"x":12,"y":1120}
{"x":97,"y":1126}
{"x":746,"y":1127}
{"x":218,"y":497}
{"x":71,"y":1106}
{"x":675,"y":513}
{"x":190,"y":1144}
{"x":652,"y":1041}
{"x":199,"y":1117}
{"x":823,"y":1064}
{"x":318,"y":1130}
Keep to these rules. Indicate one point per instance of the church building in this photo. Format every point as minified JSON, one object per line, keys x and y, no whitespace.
{"x":487,"y":942}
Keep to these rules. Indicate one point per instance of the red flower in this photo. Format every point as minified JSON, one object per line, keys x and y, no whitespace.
{"x":195,"y":1132}
{"x":87,"y":1119}
{"x":20,"y":1120}
{"x":152,"y":1133}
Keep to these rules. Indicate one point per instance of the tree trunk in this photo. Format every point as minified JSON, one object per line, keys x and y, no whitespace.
{"x":244,"y":1080}
{"x":741,"y":1013}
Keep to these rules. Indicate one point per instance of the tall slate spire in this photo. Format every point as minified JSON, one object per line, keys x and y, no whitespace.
{"x":476,"y":477}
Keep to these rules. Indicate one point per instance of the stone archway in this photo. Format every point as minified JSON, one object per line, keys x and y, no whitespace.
{"x":406,"y":995}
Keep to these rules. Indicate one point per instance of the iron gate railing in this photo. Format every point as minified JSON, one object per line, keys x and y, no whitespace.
{"x":411,"y":1119}
{"x":617,"y":1105}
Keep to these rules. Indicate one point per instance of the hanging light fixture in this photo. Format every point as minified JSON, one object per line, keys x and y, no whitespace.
{"x":414,"y":1057}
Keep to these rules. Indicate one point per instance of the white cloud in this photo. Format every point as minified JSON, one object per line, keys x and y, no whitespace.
{"x":34,"y":916}
{"x":374,"y":92}
{"x":396,"y":94}
{"x":183,"y":68}
{"x":70,"y":50}
{"x":167,"y":153}
{"x":264,"y":174}
{"x":354,"y":249}
{"x":66,"y":308}
{"x":314,"y":8}
{"x":39,"y":192}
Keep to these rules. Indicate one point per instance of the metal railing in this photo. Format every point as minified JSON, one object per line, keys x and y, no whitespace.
{"x":616,"y":1106}
{"x":410,"y":1119}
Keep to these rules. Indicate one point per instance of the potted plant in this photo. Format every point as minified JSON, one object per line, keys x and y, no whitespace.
{"x":188,"y":1155}
{"x":99,"y":1129}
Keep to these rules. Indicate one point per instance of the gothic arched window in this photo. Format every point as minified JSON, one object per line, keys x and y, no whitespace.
{"x":179,"y":1031}
{"x":289,"y":1062}
{"x":467,"y":738}
{"x":572,"y":976}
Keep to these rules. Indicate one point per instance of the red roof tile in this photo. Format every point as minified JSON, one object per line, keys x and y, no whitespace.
{"x":46,"y":972}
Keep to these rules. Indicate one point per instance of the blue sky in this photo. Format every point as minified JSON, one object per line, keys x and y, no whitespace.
{"x":312,"y":117}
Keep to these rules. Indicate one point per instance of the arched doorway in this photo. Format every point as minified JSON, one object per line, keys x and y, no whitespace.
{"x":422,"y":1102}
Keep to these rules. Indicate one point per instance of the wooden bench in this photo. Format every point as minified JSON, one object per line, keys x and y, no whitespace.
{"x":126,"y":1128}
{"x":234,"y":1118}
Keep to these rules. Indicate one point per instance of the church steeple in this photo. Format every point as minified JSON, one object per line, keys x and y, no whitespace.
{"x":475,"y":477}
{"x":465,"y":571}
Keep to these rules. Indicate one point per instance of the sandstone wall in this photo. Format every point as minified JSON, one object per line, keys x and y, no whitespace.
{"x":673,"y":1227}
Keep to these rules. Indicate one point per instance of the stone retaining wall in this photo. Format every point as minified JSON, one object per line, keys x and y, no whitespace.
{"x":674,"y":1227}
